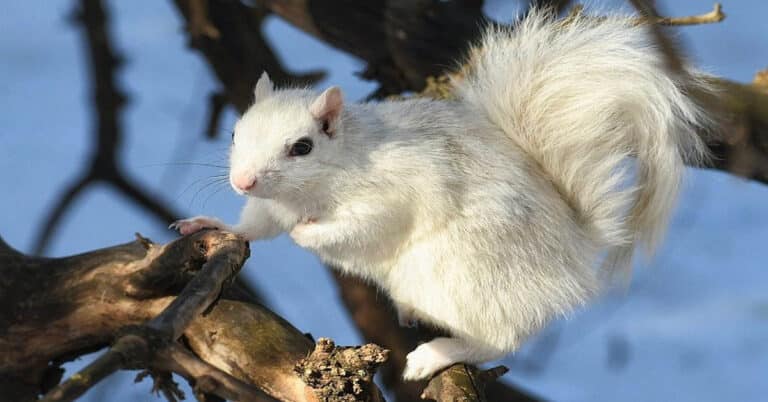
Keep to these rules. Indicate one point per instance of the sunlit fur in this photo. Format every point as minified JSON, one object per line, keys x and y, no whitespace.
{"x":488,"y":215}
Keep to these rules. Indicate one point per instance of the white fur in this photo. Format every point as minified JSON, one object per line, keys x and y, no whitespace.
{"x":487,"y":215}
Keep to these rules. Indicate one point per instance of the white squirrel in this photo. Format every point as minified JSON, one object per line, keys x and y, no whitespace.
{"x":490,"y":214}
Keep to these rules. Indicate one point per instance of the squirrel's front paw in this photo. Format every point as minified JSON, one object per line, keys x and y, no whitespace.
{"x":427,"y":359}
{"x":192,"y":225}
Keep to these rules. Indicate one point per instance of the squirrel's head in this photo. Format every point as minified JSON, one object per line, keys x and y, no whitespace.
{"x":287,"y":143}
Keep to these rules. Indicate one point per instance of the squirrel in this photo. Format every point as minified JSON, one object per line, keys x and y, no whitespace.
{"x":494,"y":212}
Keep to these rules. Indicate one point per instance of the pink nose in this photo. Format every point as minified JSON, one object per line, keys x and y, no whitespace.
{"x":244,"y":182}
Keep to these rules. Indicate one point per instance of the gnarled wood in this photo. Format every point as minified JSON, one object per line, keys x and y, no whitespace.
{"x":58,"y":308}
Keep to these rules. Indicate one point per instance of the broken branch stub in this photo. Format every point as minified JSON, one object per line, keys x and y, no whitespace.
{"x":342,"y":374}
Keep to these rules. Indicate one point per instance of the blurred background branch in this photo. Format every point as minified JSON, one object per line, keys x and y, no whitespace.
{"x":108,"y":101}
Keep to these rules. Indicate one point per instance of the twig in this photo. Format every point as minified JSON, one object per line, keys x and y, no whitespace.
{"x":51,"y":222}
{"x":670,"y":50}
{"x":716,"y":15}
{"x":111,"y":361}
{"x":205,"y":377}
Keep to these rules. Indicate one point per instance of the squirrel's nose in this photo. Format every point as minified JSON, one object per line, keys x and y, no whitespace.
{"x":244,"y":183}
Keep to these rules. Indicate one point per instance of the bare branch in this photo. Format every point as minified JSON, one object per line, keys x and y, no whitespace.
{"x":205,"y":377}
{"x":239,"y":53}
{"x":65,"y":307}
{"x":143,"y":199}
{"x":111,"y":361}
{"x":224,"y":254}
{"x":51,"y":222}
{"x":108,"y":100}
{"x":716,"y":15}
{"x":464,"y":383}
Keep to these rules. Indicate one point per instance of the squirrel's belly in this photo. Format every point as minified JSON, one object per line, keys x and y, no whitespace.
{"x":370,"y":263}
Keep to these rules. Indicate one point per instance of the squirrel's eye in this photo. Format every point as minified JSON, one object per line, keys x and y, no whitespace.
{"x":233,"y":136}
{"x":302,"y":147}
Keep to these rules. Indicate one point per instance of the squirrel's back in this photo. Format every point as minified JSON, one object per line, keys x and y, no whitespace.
{"x":584,"y":97}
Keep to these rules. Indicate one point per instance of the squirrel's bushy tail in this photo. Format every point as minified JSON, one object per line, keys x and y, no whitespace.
{"x":591,"y":101}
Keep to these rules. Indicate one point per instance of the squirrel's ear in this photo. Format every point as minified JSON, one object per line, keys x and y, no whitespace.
{"x":327,"y":109}
{"x":263,"y":88}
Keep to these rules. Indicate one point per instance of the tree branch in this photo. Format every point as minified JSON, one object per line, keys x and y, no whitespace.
{"x":238,"y":54}
{"x":51,"y":222}
{"x":205,"y":377}
{"x":224,"y":255}
{"x":108,"y":100}
{"x":376,"y":320}
{"x":716,"y":15}
{"x":65,"y":307}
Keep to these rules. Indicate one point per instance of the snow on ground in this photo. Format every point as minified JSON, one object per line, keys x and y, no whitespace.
{"x":693,"y":326}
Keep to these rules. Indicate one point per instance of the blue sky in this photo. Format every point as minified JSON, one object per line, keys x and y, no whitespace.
{"x":692,"y":326}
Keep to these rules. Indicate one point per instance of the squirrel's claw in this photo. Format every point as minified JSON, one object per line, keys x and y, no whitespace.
{"x":192,"y":225}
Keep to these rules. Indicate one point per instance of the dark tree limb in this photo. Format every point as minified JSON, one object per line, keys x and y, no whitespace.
{"x":465,"y":383}
{"x":51,"y":221}
{"x":115,"y":359}
{"x":401,"y":41}
{"x":558,"y":5}
{"x":238,"y":53}
{"x":217,"y":101}
{"x":125,"y":295}
{"x":206,"y":378}
{"x":375,"y":318}
{"x":741,"y":146}
{"x":224,"y":255}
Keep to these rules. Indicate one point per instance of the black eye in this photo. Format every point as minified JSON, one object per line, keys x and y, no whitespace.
{"x":301,"y":147}
{"x":233,"y":136}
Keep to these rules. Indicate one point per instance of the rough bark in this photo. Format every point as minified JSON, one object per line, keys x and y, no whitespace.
{"x":55,"y":309}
